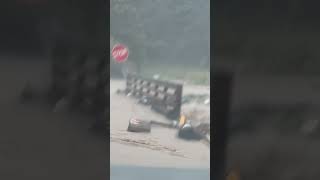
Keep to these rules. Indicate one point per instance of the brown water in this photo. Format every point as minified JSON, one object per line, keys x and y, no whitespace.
{"x":160,"y":148}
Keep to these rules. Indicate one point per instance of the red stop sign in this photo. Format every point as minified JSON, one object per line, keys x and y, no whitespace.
{"x":120,"y":53}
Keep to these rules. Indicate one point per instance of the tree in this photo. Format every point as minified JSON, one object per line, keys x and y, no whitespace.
{"x":166,"y":30}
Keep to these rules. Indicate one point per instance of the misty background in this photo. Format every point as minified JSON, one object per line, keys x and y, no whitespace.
{"x":163,"y":32}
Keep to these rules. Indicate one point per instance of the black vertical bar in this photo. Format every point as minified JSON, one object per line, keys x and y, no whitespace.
{"x":106,"y":19}
{"x":222,"y":86}
{"x":179,"y":92}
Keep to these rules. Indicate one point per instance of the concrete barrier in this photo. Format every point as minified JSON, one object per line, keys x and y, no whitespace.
{"x":165,"y":97}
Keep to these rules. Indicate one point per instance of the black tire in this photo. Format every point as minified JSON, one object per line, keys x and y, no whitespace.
{"x":188,"y":133}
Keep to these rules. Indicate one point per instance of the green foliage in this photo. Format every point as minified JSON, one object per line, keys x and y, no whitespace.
{"x":162,"y":30}
{"x":189,"y":74}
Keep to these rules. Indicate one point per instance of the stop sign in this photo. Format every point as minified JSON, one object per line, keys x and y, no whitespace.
{"x":120,"y":53}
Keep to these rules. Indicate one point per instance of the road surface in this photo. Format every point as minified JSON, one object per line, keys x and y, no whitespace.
{"x":159,"y":148}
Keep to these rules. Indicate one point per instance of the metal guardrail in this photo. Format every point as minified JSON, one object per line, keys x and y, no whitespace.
{"x":164,"y":97}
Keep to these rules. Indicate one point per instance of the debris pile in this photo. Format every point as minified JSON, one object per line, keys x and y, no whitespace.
{"x":198,"y":99}
{"x":197,"y":113}
{"x":186,"y":129}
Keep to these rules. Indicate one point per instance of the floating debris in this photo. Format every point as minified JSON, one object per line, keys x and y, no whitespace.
{"x":138,"y":125}
{"x":192,"y":98}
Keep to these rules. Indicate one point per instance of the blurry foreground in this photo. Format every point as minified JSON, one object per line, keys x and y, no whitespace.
{"x":274,"y":129}
{"x":37,"y":143}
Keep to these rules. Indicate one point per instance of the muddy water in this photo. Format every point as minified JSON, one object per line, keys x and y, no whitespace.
{"x":160,"y":148}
